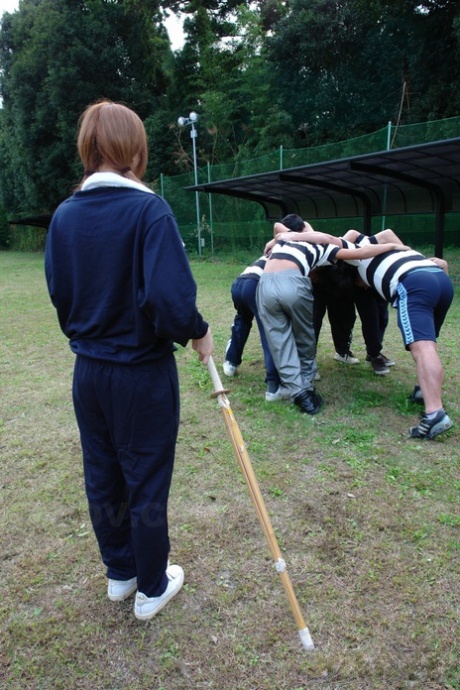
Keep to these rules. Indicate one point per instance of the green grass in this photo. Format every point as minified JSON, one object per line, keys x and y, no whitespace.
{"x":367,"y":520}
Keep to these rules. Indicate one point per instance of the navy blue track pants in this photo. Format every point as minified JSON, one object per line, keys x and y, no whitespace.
{"x":128,"y":417}
{"x":243,"y":292}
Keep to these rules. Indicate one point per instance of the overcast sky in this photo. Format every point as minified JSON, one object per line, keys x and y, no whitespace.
{"x":173,"y":25}
{"x":8,"y":5}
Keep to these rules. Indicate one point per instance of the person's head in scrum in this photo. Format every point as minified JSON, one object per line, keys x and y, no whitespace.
{"x":293,"y":223}
{"x":112,"y":138}
{"x":292,"y":228}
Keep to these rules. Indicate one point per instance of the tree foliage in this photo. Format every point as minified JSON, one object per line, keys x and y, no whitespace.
{"x":58,"y":57}
{"x":354,"y":65}
{"x":261,"y":75}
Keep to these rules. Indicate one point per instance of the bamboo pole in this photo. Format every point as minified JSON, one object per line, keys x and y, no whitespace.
{"x":242,"y":456}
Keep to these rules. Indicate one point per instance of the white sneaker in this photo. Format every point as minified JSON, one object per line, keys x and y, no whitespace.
{"x":229,"y":369}
{"x":148,"y":607}
{"x":348,"y":358}
{"x":119,"y":590}
{"x":281,"y":394}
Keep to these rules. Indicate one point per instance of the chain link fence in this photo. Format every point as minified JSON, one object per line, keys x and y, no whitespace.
{"x":229,"y":224}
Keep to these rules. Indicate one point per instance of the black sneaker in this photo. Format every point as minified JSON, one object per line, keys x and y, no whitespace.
{"x":389,"y":362}
{"x":430,"y":428}
{"x":416,"y":396}
{"x":309,"y":402}
{"x":379,"y":366}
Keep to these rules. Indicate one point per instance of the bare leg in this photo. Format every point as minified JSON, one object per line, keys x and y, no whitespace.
{"x":429,"y":372}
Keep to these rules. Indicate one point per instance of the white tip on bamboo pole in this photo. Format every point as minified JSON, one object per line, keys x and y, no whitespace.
{"x":306,"y":640}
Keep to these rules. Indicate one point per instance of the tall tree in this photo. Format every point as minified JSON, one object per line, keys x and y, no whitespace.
{"x":56,"y":59}
{"x":347,"y":67}
{"x":221,"y":72}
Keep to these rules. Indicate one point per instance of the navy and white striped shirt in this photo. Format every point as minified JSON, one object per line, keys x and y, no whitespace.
{"x":306,"y":256}
{"x":255,"y":269}
{"x":384,"y":272}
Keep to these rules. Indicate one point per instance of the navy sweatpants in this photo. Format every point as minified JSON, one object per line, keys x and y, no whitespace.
{"x":243,"y":292}
{"x":128,"y":417}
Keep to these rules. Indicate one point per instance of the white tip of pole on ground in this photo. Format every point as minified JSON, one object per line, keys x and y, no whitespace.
{"x":306,"y":640}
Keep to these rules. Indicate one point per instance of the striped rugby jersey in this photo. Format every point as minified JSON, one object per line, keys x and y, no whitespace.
{"x":255,"y":269}
{"x":384,"y":272}
{"x":305,"y":255}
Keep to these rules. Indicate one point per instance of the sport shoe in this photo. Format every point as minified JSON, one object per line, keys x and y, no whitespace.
{"x":379,"y":365}
{"x":119,"y":590}
{"x":148,"y":607}
{"x":430,"y":428}
{"x":347,"y":358}
{"x":388,"y":362}
{"x":229,"y":369}
{"x":416,"y":396}
{"x":309,"y":402}
{"x":281,"y":394}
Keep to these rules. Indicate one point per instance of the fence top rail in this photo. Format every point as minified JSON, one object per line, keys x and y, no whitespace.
{"x":390,"y":137}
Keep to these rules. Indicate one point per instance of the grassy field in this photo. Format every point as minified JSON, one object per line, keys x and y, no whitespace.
{"x":367,"y":520}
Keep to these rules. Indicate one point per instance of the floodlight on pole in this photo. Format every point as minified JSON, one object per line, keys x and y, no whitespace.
{"x":183,"y":122}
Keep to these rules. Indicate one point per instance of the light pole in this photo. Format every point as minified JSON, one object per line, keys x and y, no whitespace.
{"x":182,"y":122}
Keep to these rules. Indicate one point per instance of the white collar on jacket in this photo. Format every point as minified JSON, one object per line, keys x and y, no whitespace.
{"x":109,"y":179}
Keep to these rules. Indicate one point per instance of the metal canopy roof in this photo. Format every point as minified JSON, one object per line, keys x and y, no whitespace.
{"x":417,"y":179}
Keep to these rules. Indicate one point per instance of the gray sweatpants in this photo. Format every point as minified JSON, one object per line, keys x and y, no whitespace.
{"x":285,"y":304}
